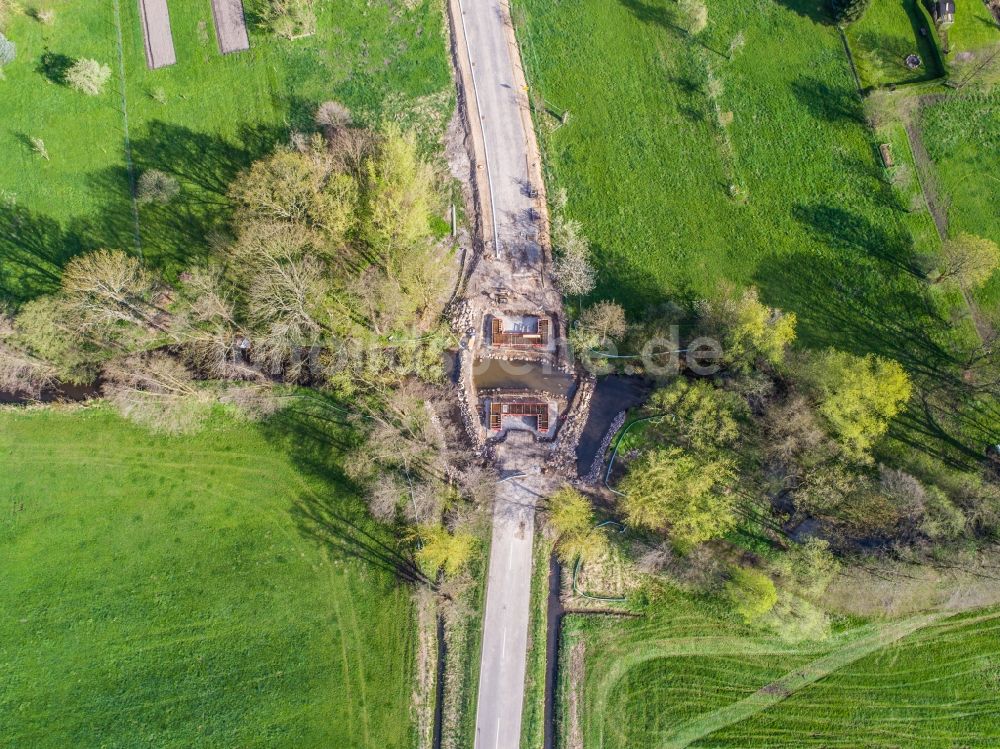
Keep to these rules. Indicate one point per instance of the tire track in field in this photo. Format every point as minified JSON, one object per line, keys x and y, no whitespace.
{"x":795,"y":681}
{"x":361,"y":665}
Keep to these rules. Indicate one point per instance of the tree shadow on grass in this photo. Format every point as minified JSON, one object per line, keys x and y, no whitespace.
{"x":54,"y":66}
{"x":826,"y":102}
{"x":317,"y":437}
{"x":33,"y":250}
{"x":815,"y":10}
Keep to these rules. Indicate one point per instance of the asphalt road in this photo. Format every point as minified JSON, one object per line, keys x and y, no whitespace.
{"x":508,"y":593}
{"x":515,"y":216}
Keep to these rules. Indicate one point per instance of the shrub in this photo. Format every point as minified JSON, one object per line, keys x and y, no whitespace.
{"x":333,"y":114}
{"x":38,"y":146}
{"x":88,"y":76}
{"x":291,"y":18}
{"x":157,"y":187}
{"x":752,"y":593}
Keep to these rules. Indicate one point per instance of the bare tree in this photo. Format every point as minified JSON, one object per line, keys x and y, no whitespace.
{"x":107,"y":288}
{"x":156,"y":186}
{"x":333,"y":115}
{"x":573,"y":269}
{"x":968,"y":260}
{"x":598,"y":325}
{"x":157,"y":391}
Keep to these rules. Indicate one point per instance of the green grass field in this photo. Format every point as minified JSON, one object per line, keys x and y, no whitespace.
{"x":649,"y":170}
{"x":883,"y":38}
{"x":203,"y":119}
{"x":690,"y":678}
{"x":217,"y":590}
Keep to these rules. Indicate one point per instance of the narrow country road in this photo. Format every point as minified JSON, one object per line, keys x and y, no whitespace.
{"x":499,"y":118}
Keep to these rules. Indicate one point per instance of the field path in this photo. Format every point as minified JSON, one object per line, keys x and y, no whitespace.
{"x":156,"y":33}
{"x":777,"y":691}
{"x":230,"y":26}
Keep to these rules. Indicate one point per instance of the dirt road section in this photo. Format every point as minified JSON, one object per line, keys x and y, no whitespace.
{"x":230,"y":26}
{"x":156,"y":33}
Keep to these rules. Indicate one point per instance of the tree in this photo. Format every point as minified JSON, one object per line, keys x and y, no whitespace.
{"x":598,"y":326}
{"x":298,"y":189}
{"x":807,"y":568}
{"x":19,"y":370}
{"x":849,"y":11}
{"x":333,"y":115}
{"x":157,"y":391}
{"x":42,"y":330}
{"x":858,"y":396}
{"x":748,"y":329}
{"x":399,"y":193}
{"x":571,"y":517}
{"x":441,"y":550}
{"x":205,"y":325}
{"x":694,"y":15}
{"x":689,"y":496}
{"x":108,"y":289}
{"x":157,"y":187}
{"x":573,"y":269}
{"x":88,"y":76}
{"x":968,"y":260}
{"x":699,"y":416}
{"x":751,"y":592}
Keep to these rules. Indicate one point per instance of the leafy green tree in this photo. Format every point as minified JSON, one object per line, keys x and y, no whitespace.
{"x":398,"y":195}
{"x":301,"y":189}
{"x":807,"y":568}
{"x":688,"y":496}
{"x":858,"y":396}
{"x":749,"y":330}
{"x":848,"y":11}
{"x":571,"y":517}
{"x":751,"y":592}
{"x":442,"y":550}
{"x":699,"y":416}
{"x":42,"y":329}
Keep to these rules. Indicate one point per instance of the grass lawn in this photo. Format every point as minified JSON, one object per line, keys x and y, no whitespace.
{"x":962,"y":136}
{"x":686,"y":677}
{"x":203,"y":119}
{"x":888,"y":32}
{"x":204,"y":591}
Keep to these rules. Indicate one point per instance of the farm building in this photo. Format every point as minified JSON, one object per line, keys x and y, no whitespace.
{"x":944,"y":12}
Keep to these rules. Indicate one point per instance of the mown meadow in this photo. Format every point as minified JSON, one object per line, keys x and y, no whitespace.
{"x":694,"y":678}
{"x":201,"y":120}
{"x":223,"y":589}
